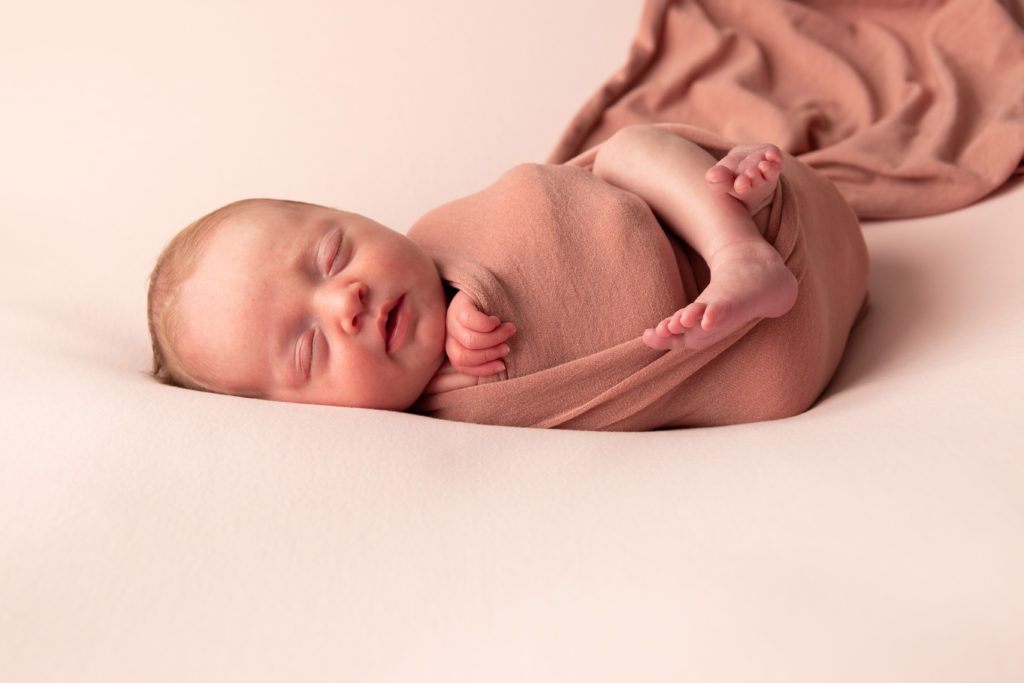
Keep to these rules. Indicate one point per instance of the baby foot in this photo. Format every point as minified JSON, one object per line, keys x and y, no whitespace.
{"x":749,"y":173}
{"x":749,"y":280}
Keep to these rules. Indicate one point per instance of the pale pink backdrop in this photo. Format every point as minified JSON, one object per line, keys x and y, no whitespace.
{"x":158,"y":534}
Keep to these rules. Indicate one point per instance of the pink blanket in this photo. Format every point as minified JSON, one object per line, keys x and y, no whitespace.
{"x":909,"y":107}
{"x":582,"y":267}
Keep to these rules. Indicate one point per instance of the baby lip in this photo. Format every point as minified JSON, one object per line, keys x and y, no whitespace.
{"x":397,"y":326}
{"x":383,"y":318}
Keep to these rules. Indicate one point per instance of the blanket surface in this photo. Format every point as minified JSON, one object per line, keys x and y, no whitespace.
{"x":582,"y":268}
{"x":910,"y":107}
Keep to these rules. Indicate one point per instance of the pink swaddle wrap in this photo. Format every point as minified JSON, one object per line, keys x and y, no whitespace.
{"x":582,"y":267}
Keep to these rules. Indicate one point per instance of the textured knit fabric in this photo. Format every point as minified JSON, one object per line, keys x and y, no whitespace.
{"x":582,"y":267}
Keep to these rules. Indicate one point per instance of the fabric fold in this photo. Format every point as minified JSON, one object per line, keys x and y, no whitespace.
{"x":582,"y":268}
{"x":910,"y":108}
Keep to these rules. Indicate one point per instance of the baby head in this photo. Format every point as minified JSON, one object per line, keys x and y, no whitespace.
{"x":297,"y":302}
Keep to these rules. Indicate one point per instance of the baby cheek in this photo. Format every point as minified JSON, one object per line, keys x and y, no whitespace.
{"x":436,"y":332}
{"x":375,"y":382}
{"x":435,"y":322}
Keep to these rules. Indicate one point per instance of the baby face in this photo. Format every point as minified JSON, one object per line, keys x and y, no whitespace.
{"x":313,"y":305}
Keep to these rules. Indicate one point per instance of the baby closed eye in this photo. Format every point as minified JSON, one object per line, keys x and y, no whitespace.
{"x":304,"y":349}
{"x":332,"y":260}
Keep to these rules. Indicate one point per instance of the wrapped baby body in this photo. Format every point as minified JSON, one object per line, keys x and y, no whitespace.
{"x":582,"y":268}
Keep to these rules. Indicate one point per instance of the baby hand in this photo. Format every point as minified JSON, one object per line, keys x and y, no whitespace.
{"x":476,"y":342}
{"x":448,"y":378}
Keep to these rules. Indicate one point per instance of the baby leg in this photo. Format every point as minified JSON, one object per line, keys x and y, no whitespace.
{"x":749,"y":280}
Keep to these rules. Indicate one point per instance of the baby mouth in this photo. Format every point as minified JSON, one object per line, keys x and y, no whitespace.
{"x":394,"y":324}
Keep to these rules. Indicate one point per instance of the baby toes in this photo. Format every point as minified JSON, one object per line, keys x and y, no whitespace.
{"x":674,"y":323}
{"x":711,"y":317}
{"x":753,"y":170}
{"x":720,"y":177}
{"x":655,"y":341}
{"x":756,"y":179}
{"x":662,"y":329}
{"x":686,"y":318}
{"x":743,"y":184}
{"x":770,"y":169}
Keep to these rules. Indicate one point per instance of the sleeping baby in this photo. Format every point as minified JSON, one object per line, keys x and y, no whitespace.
{"x":636,"y":279}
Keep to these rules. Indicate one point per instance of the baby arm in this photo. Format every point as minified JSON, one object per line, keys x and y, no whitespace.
{"x":474,"y":346}
{"x":708,"y":205}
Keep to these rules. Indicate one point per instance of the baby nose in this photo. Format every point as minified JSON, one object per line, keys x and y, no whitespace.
{"x":346,"y":304}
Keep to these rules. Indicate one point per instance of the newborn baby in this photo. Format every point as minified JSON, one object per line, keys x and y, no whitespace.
{"x":296,"y":302}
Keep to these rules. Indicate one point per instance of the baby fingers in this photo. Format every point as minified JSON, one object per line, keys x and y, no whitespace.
{"x":469,"y":317}
{"x":476,"y":361}
{"x":491,"y":368}
{"x":476,"y":340}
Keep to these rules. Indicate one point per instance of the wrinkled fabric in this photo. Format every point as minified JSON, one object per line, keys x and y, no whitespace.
{"x":582,"y":268}
{"x":910,"y":107}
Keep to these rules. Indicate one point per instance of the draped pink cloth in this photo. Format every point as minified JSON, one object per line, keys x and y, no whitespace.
{"x":911,"y":107}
